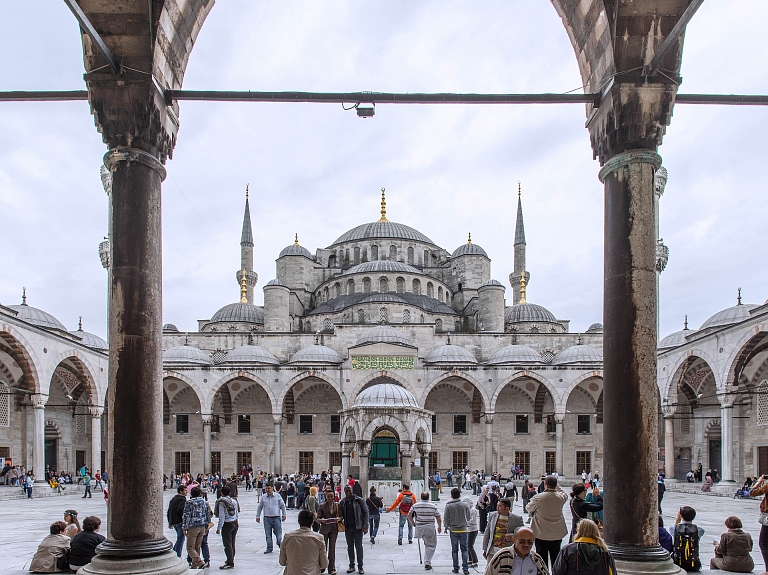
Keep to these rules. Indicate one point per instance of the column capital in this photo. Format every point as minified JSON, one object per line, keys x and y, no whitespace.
{"x":207,"y":420}
{"x":406,"y":448}
{"x":128,"y":154}
{"x":559,"y":418}
{"x":489,"y":417}
{"x":363,"y":448}
{"x":38,"y":400}
{"x":277,"y":418}
{"x":95,"y":411}
{"x":347,"y":448}
{"x":638,"y":156}
{"x":726,"y":401}
{"x":668,"y":411}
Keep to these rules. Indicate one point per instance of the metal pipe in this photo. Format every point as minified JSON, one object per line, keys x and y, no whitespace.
{"x":97,"y":40}
{"x":677,"y":31}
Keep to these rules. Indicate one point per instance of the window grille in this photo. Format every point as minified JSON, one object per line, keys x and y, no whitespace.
{"x":416,"y":287}
{"x":374,"y":252}
{"x":583,"y":425}
{"x":383,"y":285}
{"x":327,"y":325}
{"x":383,"y":315}
{"x":410,"y":256}
{"x":335,"y":424}
{"x":685,"y":419}
{"x":334,"y":459}
{"x":243,"y":458}
{"x":215,"y":461}
{"x":305,"y":423}
{"x":357,"y":256}
{"x":351,"y":287}
{"x":762,"y":403}
{"x":583,"y":461}
{"x":393,"y":253}
{"x":523,"y":459}
{"x":460,"y":424}
{"x":366,"y":285}
{"x":407,"y":316}
{"x":182,"y":462}
{"x":400,"y":283}
{"x":433,"y":462}
{"x":80,"y":424}
{"x":521,"y":424}
{"x":215,"y":424}
{"x":460,"y":460}
{"x":551,"y":424}
{"x":550,"y":460}
{"x":438,"y":325}
{"x":360,"y":316}
{"x":219,"y":355}
{"x":5,"y":405}
{"x":182,"y":423}
{"x":426,"y":258}
{"x":243,"y":423}
{"x":306,"y":461}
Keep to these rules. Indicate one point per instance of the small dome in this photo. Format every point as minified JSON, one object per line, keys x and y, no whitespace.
{"x":386,"y":395}
{"x":674,"y":339}
{"x":295,"y":250}
{"x":384,"y":334}
{"x":316,"y":354}
{"x":90,"y":340}
{"x":595,"y":328}
{"x":250,"y":354}
{"x":244,"y":312}
{"x":516,"y":354}
{"x":729,"y":316}
{"x":382,"y":230}
{"x":170,"y":327}
{"x":578,"y":354}
{"x":37,"y":317}
{"x":469,"y":250}
{"x":186,"y":354}
{"x":382,"y":266}
{"x":450,"y":354}
{"x":528,"y":312}
{"x":494,"y":283}
{"x":275,"y":282}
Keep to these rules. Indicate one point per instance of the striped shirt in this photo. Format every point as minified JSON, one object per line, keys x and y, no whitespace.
{"x":424,"y":513}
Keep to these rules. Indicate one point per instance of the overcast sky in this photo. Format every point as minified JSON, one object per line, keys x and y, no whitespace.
{"x":316,"y":169}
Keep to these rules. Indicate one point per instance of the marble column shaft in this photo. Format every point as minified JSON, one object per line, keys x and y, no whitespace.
{"x":669,"y":447}
{"x":489,"y":467}
{"x":38,"y":445}
{"x":726,"y":443}
{"x":278,"y":445}
{"x":96,"y":413}
{"x":207,"y":424}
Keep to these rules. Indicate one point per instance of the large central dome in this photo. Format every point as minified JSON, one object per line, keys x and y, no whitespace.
{"x":384,"y":230}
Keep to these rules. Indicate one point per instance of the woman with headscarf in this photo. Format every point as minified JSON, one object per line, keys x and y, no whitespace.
{"x":587,"y":555}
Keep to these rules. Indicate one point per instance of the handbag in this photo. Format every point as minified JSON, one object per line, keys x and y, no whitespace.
{"x":340,"y":524}
{"x":763,"y":518}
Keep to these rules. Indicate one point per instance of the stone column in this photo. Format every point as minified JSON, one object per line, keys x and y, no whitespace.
{"x":406,"y":454}
{"x":559,"y":443}
{"x":669,"y":442}
{"x":726,"y":443}
{"x":489,"y":466}
{"x":96,"y":413}
{"x":207,"y":424}
{"x":346,"y":452}
{"x":278,"y":419}
{"x":629,"y":365}
{"x":363,"y":452}
{"x":38,"y":444}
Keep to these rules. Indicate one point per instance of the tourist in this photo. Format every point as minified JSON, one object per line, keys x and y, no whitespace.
{"x":97,"y":477}
{"x":72,"y":523}
{"x":423,"y":516}
{"x":580,"y":507}
{"x":227,"y":510}
{"x":471,"y":532}
{"x":548,"y":521}
{"x":302,"y":551}
{"x":403,"y":504}
{"x":375,"y":508}
{"x":354,"y":514}
{"x":327,"y":516}
{"x":313,"y":503}
{"x":300,"y":492}
{"x":665,"y":539}
{"x":456,"y":520}
{"x":510,"y":491}
{"x":194,"y":522}
{"x":760,"y":487}
{"x":661,"y":489}
{"x":484,"y":507}
{"x":175,"y":514}
{"x":501,"y":525}
{"x":732,"y":552}
{"x":449,"y":477}
{"x":708,"y":482}
{"x":29,"y":481}
{"x":587,"y":555}
{"x":525,"y":494}
{"x":439,"y":481}
{"x":83,"y":546}
{"x":686,"y":539}
{"x":87,"y":483}
{"x":519,"y":558}
{"x":274,"y":510}
{"x":51,"y":548}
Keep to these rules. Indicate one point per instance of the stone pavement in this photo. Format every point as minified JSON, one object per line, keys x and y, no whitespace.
{"x":26,"y":522}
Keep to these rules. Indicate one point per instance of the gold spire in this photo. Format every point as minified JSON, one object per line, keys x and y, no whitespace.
{"x":296,"y":240}
{"x":246,"y":191}
{"x":383,"y":206}
{"x":522,"y":287}
{"x":469,"y":238}
{"x":519,"y":190}
{"x":244,"y":287}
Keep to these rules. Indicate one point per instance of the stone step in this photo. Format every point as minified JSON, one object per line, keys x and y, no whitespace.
{"x":11,"y":493}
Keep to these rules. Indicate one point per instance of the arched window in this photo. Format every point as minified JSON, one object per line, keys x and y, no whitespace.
{"x":416,"y":287}
{"x":332,"y":261}
{"x":351,"y":287}
{"x":410,"y":256}
{"x":421,"y":320}
{"x":383,"y":285}
{"x":438,"y":325}
{"x":327,"y":325}
{"x":5,"y":405}
{"x":383,"y":315}
{"x":308,"y":326}
{"x":447,"y":297}
{"x":426,"y":258}
{"x":393,"y":253}
{"x":336,"y":289}
{"x":440,"y":293}
{"x":400,"y":285}
{"x":374,"y":253}
{"x":357,"y":256}
{"x":367,"y":285}
{"x":346,"y":258}
{"x":430,"y":290}
{"x":406,"y":316}
{"x":762,"y":403}
{"x":360,"y":316}
{"x":325,"y":293}
{"x":365,"y":255}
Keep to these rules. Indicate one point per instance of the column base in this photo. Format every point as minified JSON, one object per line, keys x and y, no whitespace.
{"x":635,"y":560}
{"x":167,"y":563}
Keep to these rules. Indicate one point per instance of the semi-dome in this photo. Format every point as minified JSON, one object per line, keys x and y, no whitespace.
{"x":242,"y":312}
{"x":386,"y":395}
{"x":595,"y":328}
{"x":90,"y":340}
{"x":516,"y":354}
{"x":170,"y":327}
{"x":275,"y":282}
{"x":250,"y":354}
{"x":494,"y":283}
{"x":383,"y":266}
{"x":295,"y":250}
{"x":528,"y":312}
{"x":450,"y":354}
{"x":674,"y":339}
{"x":578,"y":354}
{"x":383,"y":230}
{"x":186,"y":354}
{"x":729,"y":316}
{"x":383,"y":298}
{"x":384,"y":334}
{"x":316,"y":354}
{"x":469,"y":249}
{"x":37,"y":317}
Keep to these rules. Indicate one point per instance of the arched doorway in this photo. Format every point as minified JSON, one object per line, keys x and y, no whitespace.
{"x":384,"y":449}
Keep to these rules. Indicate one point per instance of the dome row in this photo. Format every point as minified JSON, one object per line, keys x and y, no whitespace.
{"x":45,"y":320}
{"x":721,"y":319}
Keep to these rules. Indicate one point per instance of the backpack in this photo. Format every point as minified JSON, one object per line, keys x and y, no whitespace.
{"x":685,"y":551}
{"x":406,"y":503}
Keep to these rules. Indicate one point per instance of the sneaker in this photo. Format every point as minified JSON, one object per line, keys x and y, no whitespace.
{"x":227,"y":566}
{"x":410,"y":542}
{"x":267,"y":551}
{"x":351,"y":570}
{"x":373,"y":541}
{"x":427,"y":567}
{"x":400,"y":541}
{"x":455,"y":571}
{"x":361,"y":571}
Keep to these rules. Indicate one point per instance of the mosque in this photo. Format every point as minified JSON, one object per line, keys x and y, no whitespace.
{"x":383,"y":355}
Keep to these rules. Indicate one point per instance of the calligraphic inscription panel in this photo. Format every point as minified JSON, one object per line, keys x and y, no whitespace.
{"x":385,"y":362}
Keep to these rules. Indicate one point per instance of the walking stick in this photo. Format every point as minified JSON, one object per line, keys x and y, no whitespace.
{"x":418,"y":541}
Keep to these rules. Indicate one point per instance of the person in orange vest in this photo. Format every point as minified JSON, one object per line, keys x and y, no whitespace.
{"x":403,"y":503}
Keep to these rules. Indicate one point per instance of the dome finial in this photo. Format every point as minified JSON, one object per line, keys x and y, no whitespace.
{"x":244,"y":287}
{"x":246,"y":191}
{"x":519,"y":189}
{"x":296,"y":240}
{"x":23,"y":296}
{"x":522,"y":287}
{"x":469,"y":238}
{"x":80,"y":324}
{"x":383,"y":206}
{"x":685,"y":325}
{"x":738,"y":299}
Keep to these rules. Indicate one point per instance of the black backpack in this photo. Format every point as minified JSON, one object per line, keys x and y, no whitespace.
{"x":685,"y":550}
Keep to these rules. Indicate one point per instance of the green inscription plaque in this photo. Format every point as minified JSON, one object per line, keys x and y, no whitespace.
{"x":387,"y":362}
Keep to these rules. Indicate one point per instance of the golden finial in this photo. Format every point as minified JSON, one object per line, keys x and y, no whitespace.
{"x":469,"y":238}
{"x":244,"y":288}
{"x":246,"y":191}
{"x":519,"y":190}
{"x":383,"y":206}
{"x":522,"y":287}
{"x":296,"y":240}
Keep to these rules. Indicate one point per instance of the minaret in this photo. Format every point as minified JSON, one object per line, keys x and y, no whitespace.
{"x":519,"y":269}
{"x":246,"y":254}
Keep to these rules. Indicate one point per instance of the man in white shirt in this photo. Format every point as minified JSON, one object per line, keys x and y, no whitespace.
{"x":274,"y":511}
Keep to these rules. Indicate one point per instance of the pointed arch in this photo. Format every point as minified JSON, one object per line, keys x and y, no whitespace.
{"x":202,"y":396}
{"x":452,"y":376}
{"x":597,"y":374}
{"x":523,"y":374}
{"x":23,"y":353}
{"x":375,"y":378}
{"x":222,"y":384}
{"x":278,"y":405}
{"x":389,"y":422}
{"x":679,"y":368}
{"x":748,"y":347}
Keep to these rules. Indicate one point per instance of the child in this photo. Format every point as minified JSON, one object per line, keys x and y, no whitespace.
{"x":686,"y":537}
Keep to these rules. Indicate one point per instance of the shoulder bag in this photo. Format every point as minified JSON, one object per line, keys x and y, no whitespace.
{"x":340,"y":524}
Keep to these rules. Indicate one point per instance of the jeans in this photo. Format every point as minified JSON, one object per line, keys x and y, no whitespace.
{"x":548,"y":548}
{"x":179,"y":539}
{"x":29,"y":494}
{"x":228,"y":536}
{"x":460,"y":540}
{"x":87,"y":492}
{"x":354,"y":543}
{"x":373,"y":523}
{"x":273,"y":525}
{"x":471,"y":537}
{"x":403,"y":521}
